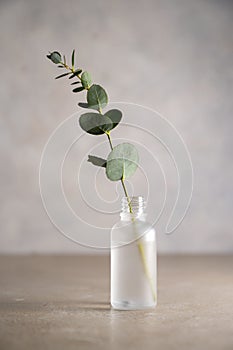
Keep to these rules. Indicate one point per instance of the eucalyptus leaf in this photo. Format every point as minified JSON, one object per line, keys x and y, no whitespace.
{"x":97,"y":97}
{"x":122,"y":162}
{"x":97,"y":161}
{"x":83,"y":105}
{"x":86,"y":80}
{"x":72,"y":58}
{"x":115,"y":115}
{"x":78,"y":89}
{"x":95,"y":123}
{"x":62,"y":75}
{"x":55,"y":57}
{"x":75,"y":73}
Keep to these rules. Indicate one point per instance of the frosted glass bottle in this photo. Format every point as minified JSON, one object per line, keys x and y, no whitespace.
{"x":133,"y":259}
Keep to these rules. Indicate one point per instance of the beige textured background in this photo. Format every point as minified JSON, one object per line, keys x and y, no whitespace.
{"x":174,"y":56}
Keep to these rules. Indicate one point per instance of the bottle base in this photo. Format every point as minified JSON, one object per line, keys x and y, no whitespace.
{"x":129,"y":305}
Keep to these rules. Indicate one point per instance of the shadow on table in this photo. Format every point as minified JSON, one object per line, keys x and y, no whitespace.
{"x":53,"y":305}
{"x":95,"y":306}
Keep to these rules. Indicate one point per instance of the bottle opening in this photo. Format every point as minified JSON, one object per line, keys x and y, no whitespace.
{"x":133,"y":205}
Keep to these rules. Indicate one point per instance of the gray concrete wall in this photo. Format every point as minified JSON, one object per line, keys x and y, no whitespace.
{"x":173,"y":56}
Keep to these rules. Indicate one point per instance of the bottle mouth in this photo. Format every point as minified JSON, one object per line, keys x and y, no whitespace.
{"x":133,"y":205}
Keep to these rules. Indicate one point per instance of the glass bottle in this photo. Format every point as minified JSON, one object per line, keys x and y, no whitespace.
{"x":133,"y":258}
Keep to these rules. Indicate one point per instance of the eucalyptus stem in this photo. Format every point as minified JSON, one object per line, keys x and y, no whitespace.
{"x":109,"y":139}
{"x":139,"y":244}
{"x":71,"y":69}
{"x":127,"y":196}
{"x":122,"y":179}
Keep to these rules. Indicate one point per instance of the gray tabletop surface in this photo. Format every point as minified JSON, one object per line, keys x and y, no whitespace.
{"x":62,"y":302}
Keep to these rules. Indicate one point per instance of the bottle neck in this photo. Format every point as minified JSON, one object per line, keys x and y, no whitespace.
{"x":133,"y":208}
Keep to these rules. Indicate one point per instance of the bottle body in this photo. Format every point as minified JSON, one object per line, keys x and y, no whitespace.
{"x":133,"y":263}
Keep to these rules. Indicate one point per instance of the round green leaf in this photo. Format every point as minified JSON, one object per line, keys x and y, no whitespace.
{"x":95,"y":123}
{"x":86,"y":80}
{"x":55,"y":57}
{"x":115,"y":115}
{"x":97,"y":97}
{"x":122,"y":162}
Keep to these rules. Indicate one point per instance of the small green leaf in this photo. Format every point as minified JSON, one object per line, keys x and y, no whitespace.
{"x":75,"y":73}
{"x":97,"y":161}
{"x":115,"y":115}
{"x":122,"y":162}
{"x":64,"y":59}
{"x":83,"y":105}
{"x":55,"y":57}
{"x":97,"y":97}
{"x":95,"y":123}
{"x":78,"y":89}
{"x":72,"y":59}
{"x":62,"y":75}
{"x":86,"y":80}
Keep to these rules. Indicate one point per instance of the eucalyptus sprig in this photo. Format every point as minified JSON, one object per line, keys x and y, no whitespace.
{"x":122,"y":161}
